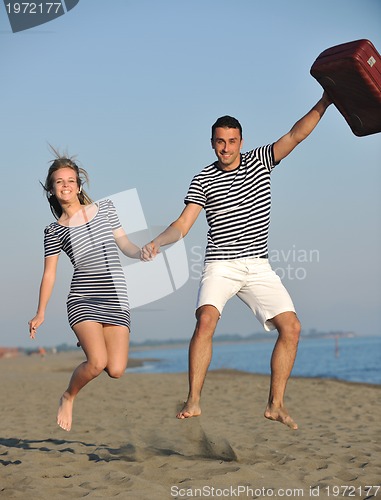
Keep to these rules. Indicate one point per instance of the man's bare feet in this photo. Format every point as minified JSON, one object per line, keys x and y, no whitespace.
{"x":65,"y":412}
{"x":189,"y":410}
{"x":280,"y":415}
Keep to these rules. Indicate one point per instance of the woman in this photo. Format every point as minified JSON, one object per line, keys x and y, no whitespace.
{"x":97,"y":305}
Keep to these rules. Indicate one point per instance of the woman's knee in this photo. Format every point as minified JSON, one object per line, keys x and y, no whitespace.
{"x":96,"y":366}
{"x":115,"y":371}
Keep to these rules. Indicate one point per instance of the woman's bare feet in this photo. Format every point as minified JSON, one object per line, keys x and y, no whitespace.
{"x":65,"y":412}
{"x":280,"y":414}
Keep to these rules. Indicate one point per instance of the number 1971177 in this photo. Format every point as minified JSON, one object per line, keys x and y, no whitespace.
{"x":34,"y":8}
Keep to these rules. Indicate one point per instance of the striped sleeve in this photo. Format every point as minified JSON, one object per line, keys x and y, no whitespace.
{"x":52,"y":244}
{"x":265,"y":154}
{"x":195,"y":193}
{"x":112,"y":215}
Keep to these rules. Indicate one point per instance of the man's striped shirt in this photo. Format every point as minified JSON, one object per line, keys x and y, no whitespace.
{"x":237,"y":205}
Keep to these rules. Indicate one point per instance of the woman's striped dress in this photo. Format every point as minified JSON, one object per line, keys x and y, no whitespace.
{"x":98,"y":290}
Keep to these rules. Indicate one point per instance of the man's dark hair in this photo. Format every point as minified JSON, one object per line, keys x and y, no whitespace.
{"x":226,"y":122}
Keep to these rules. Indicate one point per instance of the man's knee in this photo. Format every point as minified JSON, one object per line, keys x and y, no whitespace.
{"x":207,"y":319}
{"x":295,"y":329}
{"x":288,"y":327}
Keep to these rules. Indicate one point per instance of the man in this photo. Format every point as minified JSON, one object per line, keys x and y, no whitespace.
{"x":235,"y":193}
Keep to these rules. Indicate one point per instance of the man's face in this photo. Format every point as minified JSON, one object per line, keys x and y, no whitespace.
{"x":227,"y":144}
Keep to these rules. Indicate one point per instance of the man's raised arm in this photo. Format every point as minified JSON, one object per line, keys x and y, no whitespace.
{"x":301,"y":129}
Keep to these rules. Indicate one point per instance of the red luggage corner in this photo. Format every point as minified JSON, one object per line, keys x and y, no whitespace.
{"x":351,"y":75}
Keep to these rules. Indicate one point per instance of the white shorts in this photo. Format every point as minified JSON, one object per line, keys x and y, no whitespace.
{"x":252,"y":280}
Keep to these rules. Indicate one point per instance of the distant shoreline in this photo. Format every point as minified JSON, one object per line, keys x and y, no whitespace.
{"x":178,"y":343}
{"x":221,"y":340}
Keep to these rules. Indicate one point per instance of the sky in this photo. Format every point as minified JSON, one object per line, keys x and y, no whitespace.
{"x":132,"y":88}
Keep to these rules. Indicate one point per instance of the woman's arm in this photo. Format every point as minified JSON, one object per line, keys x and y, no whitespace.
{"x":125,"y":245}
{"x":46,"y":288}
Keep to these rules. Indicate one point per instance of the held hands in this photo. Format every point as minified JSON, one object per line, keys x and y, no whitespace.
{"x":149,"y":251}
{"x":171,"y":235}
{"x":34,"y":324}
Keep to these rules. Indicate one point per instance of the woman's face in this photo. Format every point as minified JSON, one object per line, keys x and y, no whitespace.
{"x":65,"y":185}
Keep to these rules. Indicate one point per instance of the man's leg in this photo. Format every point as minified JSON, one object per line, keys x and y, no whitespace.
{"x":282,"y":361}
{"x":200,"y":355}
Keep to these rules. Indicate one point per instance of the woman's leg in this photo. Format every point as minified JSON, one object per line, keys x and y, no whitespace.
{"x":117,"y":339}
{"x":92,"y":339}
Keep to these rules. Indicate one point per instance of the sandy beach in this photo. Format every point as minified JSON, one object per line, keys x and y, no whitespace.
{"x":126,"y":443}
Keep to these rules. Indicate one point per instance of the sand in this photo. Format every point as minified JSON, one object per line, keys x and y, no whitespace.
{"x":126,"y":443}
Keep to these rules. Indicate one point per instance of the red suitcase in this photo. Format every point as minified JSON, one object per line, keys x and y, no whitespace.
{"x":351,"y":75}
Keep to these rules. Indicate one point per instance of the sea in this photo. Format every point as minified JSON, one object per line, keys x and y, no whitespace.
{"x":352,"y":359}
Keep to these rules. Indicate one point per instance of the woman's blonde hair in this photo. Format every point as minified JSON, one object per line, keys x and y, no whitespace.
{"x":81,"y":176}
